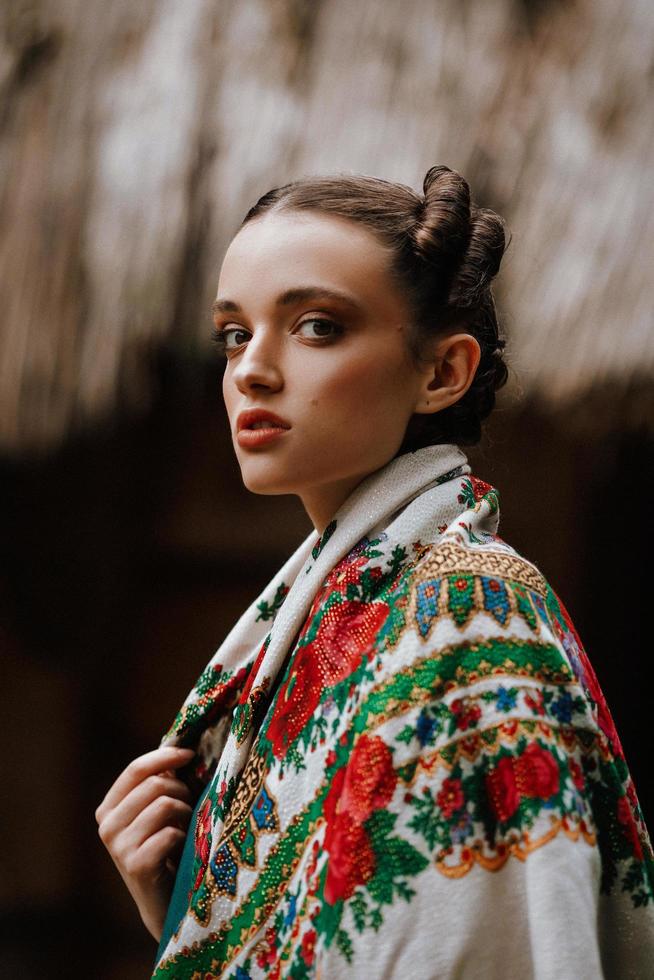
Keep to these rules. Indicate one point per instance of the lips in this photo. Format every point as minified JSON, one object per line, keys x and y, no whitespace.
{"x":257,"y":427}
{"x":255,"y":419}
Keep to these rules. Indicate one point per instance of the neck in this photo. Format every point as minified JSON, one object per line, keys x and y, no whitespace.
{"x":321,"y":503}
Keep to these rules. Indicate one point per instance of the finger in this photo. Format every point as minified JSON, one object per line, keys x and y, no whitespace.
{"x":150,"y":860}
{"x":168,"y":757}
{"x":162,"y":812}
{"x":137,"y":800}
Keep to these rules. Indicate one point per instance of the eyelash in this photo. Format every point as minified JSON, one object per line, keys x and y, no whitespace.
{"x":219,"y":333}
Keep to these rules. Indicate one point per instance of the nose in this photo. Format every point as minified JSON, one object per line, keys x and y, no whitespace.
{"x":259,"y":368}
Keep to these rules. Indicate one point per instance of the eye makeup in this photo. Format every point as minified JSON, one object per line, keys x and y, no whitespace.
{"x":227,"y":338}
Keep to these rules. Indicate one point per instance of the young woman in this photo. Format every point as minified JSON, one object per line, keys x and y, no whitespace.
{"x":399,"y":762}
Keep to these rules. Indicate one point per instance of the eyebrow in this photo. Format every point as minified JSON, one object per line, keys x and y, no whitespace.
{"x":291,"y":296}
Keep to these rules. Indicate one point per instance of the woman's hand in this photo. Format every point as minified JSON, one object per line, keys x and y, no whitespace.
{"x":142,"y":822}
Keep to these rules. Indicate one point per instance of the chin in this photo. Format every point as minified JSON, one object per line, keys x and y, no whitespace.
{"x":266,"y":490}
{"x":264,"y":484}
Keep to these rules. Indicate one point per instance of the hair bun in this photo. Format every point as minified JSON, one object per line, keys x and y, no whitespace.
{"x":482,"y":259}
{"x":442,"y":230}
{"x":464,"y":244}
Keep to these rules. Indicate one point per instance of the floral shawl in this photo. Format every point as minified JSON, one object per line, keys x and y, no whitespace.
{"x":406,"y":765}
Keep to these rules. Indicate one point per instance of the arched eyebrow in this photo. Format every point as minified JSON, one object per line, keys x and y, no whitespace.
{"x":298,"y":295}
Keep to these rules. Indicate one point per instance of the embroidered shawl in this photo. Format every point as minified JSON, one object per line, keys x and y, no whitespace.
{"x":406,"y":765}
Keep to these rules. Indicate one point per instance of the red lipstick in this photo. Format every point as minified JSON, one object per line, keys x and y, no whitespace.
{"x":258,"y":427}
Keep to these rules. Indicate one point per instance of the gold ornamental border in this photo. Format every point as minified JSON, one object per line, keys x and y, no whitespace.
{"x":250,"y":783}
{"x":449,"y":558}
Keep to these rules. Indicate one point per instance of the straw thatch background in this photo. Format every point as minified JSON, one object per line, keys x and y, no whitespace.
{"x":133,"y":136}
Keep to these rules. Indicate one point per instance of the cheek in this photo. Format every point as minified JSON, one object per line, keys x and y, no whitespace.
{"x":365,"y":390}
{"x":228,"y":394}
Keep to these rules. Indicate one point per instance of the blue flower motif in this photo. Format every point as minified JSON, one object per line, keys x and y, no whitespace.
{"x":241,"y":974}
{"x":225,"y":870}
{"x":462,"y":829}
{"x":506,"y":698}
{"x":263,"y":811}
{"x":425,"y":728}
{"x":562,"y":707}
{"x":292,"y":907}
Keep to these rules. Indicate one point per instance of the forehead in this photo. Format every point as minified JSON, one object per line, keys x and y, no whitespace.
{"x":281,"y":250}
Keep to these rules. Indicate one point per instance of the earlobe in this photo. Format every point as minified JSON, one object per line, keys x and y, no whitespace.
{"x":450,"y":372}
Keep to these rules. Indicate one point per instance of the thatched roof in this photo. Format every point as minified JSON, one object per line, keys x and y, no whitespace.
{"x":134,"y":137}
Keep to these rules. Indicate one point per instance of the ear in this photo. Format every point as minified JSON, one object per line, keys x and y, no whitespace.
{"x":450,"y":372}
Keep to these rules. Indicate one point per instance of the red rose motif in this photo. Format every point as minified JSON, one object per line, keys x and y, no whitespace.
{"x":308,"y":948}
{"x":366,"y":784}
{"x":537,"y":772}
{"x":370,"y":779}
{"x":345,"y":633}
{"x":297,"y":701}
{"x":450,"y":797}
{"x":202,"y":840}
{"x":479,"y":487}
{"x":347,"y":572}
{"x":334,"y":796}
{"x":351,"y":858}
{"x":266,"y":950}
{"x":502,"y":789}
{"x":534,"y":773}
{"x":465,"y":712}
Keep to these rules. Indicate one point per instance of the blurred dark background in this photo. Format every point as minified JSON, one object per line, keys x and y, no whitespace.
{"x":133,"y":137}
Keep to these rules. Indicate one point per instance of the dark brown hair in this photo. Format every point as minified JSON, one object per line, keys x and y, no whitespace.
{"x":445,"y":253}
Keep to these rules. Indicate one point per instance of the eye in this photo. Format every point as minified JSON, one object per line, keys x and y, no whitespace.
{"x":318,"y":328}
{"x":229,"y":338}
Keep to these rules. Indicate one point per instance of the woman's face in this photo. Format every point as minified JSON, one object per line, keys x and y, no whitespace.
{"x":319,"y":388}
